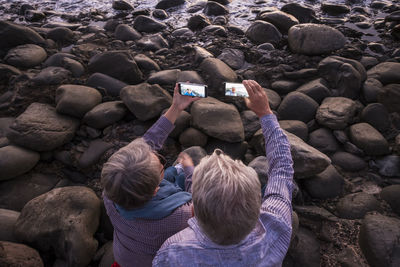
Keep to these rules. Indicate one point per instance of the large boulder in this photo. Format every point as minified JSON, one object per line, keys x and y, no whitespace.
{"x":233,"y":57}
{"x":391,"y":194}
{"x":336,"y":112}
{"x":371,"y":89}
{"x":192,"y":137}
{"x":302,"y":12}
{"x":216,"y":72}
{"x":283,"y":21}
{"x":386,"y":72}
{"x":305,"y":250}
{"x":106,"y":84}
{"x":147,"y":24}
{"x":379,"y":240}
{"x":263,"y":32}
{"x":164,"y":77}
{"x":295,"y":127}
{"x":13,"y":254}
{"x":146,"y":101}
{"x":251,"y":123}
{"x":61,"y":35}
{"x":389,"y":96}
{"x":297,"y":106}
{"x":146,"y":64}
{"x":315,"y":39}
{"x":62,"y":220}
{"x":66,"y":61}
{"x":125,"y":32}
{"x":93,"y":153}
{"x":105,"y":114}
{"x":41,"y":128}
{"x":316,"y":89}
{"x":51,"y":75}
{"x":165,"y":4}
{"x":355,"y":206}
{"x":348,"y":162}
{"x":76,"y":100}
{"x":152,"y":42}
{"x":12,"y":35}
{"x":367,"y":138}
{"x":117,"y":64}
{"x":377,"y":115}
{"x":260,"y":165}
{"x":327,"y":184}
{"x":26,"y":56}
{"x":323,"y":140}
{"x":213,"y":8}
{"x":217,"y":119}
{"x":15,"y":161}
{"x":8,"y":218}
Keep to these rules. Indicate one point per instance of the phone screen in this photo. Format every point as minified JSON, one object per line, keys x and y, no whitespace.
{"x":235,"y":89}
{"x":195,"y":90}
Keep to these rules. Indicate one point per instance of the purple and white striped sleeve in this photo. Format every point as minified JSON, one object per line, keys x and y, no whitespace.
{"x":158,"y":133}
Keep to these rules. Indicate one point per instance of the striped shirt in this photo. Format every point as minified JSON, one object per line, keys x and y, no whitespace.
{"x":267,"y":244}
{"x":137,"y":241}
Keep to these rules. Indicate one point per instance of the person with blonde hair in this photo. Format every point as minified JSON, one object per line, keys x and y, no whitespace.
{"x":146,"y":205}
{"x":233,"y":225}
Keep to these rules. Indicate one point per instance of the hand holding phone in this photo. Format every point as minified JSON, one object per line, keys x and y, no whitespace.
{"x":192,"y":89}
{"x":235,"y":89}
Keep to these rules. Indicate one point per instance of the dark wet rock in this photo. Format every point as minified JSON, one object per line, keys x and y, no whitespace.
{"x":153,"y":42}
{"x":379,"y":240}
{"x":181,"y":123}
{"x":307,"y":73}
{"x":263,"y":32}
{"x":334,"y":9}
{"x":164,"y":77}
{"x":217,"y":119}
{"x":165,"y":4}
{"x":183,"y":33}
{"x":16,"y":160}
{"x":344,"y":76}
{"x":68,"y":215}
{"x":251,"y":123}
{"x":105,"y":114}
{"x":371,"y":89}
{"x":297,"y":106}
{"x":145,"y":63}
{"x":121,"y":5}
{"x":305,"y":250}
{"x":55,"y":24}
{"x":284,"y":87}
{"x":94,"y":152}
{"x":235,"y":150}
{"x":196,"y":6}
{"x":283,"y":21}
{"x":13,"y":254}
{"x":12,"y":35}
{"x":215,"y":9}
{"x":377,"y":115}
{"x":395,"y":32}
{"x":367,"y":138}
{"x":8,"y":218}
{"x":368,"y":62}
{"x":106,"y":84}
{"x":215,"y":30}
{"x":190,"y":76}
{"x":391,"y":194}
{"x":323,"y":140}
{"x":273,"y":98}
{"x":117,"y":64}
{"x":51,"y":75}
{"x":389,"y":96}
{"x":234,"y":58}
{"x":327,"y":184}
{"x":198,"y":22}
{"x":336,"y":112}
{"x":6,"y":72}
{"x":76,"y":100}
{"x":216,"y":72}
{"x":145,"y":101}
{"x":315,"y":39}
{"x":147,"y":24}
{"x":348,"y":162}
{"x":260,"y":165}
{"x":41,"y":128}
{"x":196,"y":153}
{"x":61,"y":35}
{"x":57,"y":59}
{"x":159,"y":14}
{"x":295,"y":127}
{"x":107,"y":258}
{"x":125,"y":32}
{"x":315,"y":213}
{"x":397,"y":143}
{"x":26,"y":56}
{"x":111,"y":24}
{"x":235,"y":30}
{"x":34,"y":15}
{"x":192,"y":137}
{"x":303,"y":13}
{"x":201,"y":54}
{"x":388,"y":166}
{"x":316,"y":89}
{"x":355,"y":206}
{"x":386,"y":72}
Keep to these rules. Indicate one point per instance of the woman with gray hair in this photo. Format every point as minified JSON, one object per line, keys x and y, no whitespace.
{"x":144,"y":208}
{"x":233,"y":224}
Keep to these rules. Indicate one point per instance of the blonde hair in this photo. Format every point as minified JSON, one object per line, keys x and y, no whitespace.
{"x":226,"y":198}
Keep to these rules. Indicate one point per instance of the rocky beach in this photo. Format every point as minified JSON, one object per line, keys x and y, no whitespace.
{"x":81,"y":79}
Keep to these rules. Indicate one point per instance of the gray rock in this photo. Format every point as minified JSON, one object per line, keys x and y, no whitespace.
{"x":216,"y":72}
{"x":190,"y":76}
{"x":192,"y":137}
{"x":315,"y":39}
{"x":41,"y":128}
{"x":147,"y":24}
{"x":51,"y":76}
{"x":316,"y":89}
{"x":389,"y":166}
{"x":274,"y":99}
{"x":303,"y":13}
{"x":251,"y":123}
{"x":164,"y":77}
{"x":378,"y":240}
{"x":234,"y":150}
{"x":125,"y":32}
{"x":12,"y":35}
{"x":283,"y":21}
{"x":371,"y":90}
{"x":26,"y":56}
{"x":198,"y":22}
{"x":306,"y":249}
{"x":234,"y":58}
{"x":153,"y":42}
{"x":295,"y":127}
{"x":8,"y":218}
{"x":389,"y":96}
{"x":386,"y":72}
{"x":213,"y":8}
{"x":336,"y":112}
{"x":323,"y":140}
{"x":159,"y":14}
{"x":105,"y":114}
{"x":68,"y":215}
{"x":5,"y":124}
{"x":260,"y":165}
{"x":6,"y":72}
{"x":94,"y":152}
{"x":368,"y":62}
{"x":334,"y":9}
{"x":165,"y":4}
{"x":215,"y":30}
{"x":196,"y":153}
{"x":377,"y":115}
{"x":217,"y":119}
{"x":315,"y":213}
{"x":106,"y":84}
{"x":61,"y":35}
{"x":34,"y":15}
{"x":145,"y":63}
{"x":367,"y":138}
{"x":121,"y":5}
{"x":201,"y":54}
{"x":297,"y":106}
{"x":327,"y":184}
{"x":355,"y":206}
{"x":13,"y":254}
{"x":391,"y":194}
{"x":181,"y":123}
{"x":145,"y":101}
{"x":183,"y":33}
{"x":108,"y":257}
{"x":263,"y":32}
{"x":66,"y":61}
{"x":76,"y":100}
{"x":16,"y":160}
{"x":119,"y":65}
{"x":284,"y":87}
{"x":348,"y":162}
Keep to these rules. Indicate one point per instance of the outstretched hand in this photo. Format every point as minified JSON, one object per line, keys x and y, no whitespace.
{"x":258,"y":99}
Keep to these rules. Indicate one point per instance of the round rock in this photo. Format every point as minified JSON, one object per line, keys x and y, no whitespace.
{"x":213,"y":8}
{"x":386,"y":72}
{"x":251,"y":123}
{"x":316,"y":89}
{"x":105,"y":84}
{"x":105,"y":114}
{"x":147,"y":24}
{"x":12,"y":35}
{"x":389,"y":96}
{"x":297,"y":106}
{"x":260,"y":165}
{"x":164,"y":77}
{"x":13,"y":254}
{"x":371,"y":89}
{"x":8,"y":218}
{"x":336,"y":112}
{"x":165,"y":4}
{"x":216,"y":72}
{"x":327,"y":184}
{"x":295,"y":127}
{"x":16,"y":160}
{"x":391,"y":194}
{"x":348,"y":162}
{"x":26,"y":56}
{"x":355,"y":206}
{"x":263,"y":32}
{"x":323,"y":140}
{"x":367,"y":138}
{"x":125,"y":32}
{"x":283,"y":21}
{"x":377,"y":115}
{"x":192,"y":137}
{"x":51,"y":75}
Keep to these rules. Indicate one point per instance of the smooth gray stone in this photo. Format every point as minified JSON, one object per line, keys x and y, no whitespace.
{"x":327,"y":184}
{"x":355,"y":206}
{"x":192,"y":137}
{"x":336,"y":112}
{"x":12,"y":35}
{"x":367,"y":138}
{"x":105,"y":114}
{"x":323,"y":140}
{"x":8,"y":218}
{"x":263,"y":32}
{"x":16,"y":160}
{"x":94,"y":152}
{"x":348,"y":162}
{"x":391,"y":194}
{"x":26,"y":56}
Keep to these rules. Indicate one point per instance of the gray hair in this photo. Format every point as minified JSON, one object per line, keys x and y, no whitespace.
{"x":131,"y":175}
{"x":226,"y":198}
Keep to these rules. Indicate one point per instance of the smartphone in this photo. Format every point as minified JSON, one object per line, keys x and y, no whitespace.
{"x":192,"y":89}
{"x":235,"y":89}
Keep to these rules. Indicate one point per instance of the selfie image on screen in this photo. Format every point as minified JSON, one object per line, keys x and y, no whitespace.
{"x":193,"y":90}
{"x":235,"y":89}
